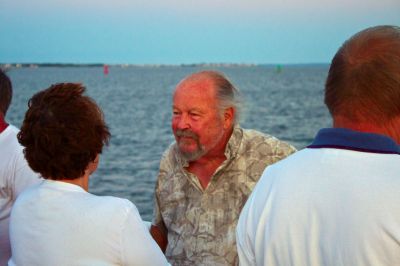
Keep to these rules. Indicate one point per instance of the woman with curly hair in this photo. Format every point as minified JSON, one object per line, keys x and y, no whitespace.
{"x":58,"y":222}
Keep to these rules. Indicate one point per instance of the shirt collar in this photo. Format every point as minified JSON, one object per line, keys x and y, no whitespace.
{"x":55,"y":184}
{"x":233,"y":144}
{"x":342,"y":138}
{"x":3,"y":124}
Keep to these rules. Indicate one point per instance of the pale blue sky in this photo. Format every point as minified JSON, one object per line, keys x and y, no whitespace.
{"x":184,"y":31}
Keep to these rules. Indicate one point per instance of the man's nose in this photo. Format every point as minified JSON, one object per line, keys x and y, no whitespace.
{"x":183,"y":122}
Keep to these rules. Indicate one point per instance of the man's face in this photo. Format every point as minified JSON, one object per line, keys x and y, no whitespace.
{"x":196,"y":122}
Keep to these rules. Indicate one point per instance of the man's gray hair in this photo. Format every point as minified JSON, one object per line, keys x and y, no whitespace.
{"x":227,"y":94}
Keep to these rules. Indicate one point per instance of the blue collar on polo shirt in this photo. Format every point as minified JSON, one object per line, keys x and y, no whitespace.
{"x":342,"y":138}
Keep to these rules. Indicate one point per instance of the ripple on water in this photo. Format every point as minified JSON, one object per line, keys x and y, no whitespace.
{"x":137,"y":106}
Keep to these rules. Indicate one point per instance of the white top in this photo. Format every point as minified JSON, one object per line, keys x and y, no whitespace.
{"x":15,"y":175}
{"x":57,"y":223}
{"x":324,"y":207}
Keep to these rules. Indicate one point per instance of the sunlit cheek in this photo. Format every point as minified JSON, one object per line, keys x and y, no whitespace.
{"x":174,"y":123}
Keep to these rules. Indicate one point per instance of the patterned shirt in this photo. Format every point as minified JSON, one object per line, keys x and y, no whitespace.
{"x":201,"y":222}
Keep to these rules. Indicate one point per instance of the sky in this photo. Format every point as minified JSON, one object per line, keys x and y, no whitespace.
{"x":184,"y":31}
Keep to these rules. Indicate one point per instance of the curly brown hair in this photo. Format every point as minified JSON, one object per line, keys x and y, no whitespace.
{"x":63,"y":131}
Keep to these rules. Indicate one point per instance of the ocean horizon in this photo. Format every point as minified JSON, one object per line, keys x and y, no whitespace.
{"x":282,"y":100}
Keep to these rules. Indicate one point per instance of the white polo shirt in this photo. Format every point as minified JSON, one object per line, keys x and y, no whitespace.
{"x":336,"y":202}
{"x":57,"y":223}
{"x":15,"y":176}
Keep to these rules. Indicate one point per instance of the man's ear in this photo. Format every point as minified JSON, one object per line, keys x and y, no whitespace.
{"x":229,"y":117}
{"x":92,"y":166}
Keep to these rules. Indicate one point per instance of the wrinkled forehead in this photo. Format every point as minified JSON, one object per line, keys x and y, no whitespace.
{"x":196,"y":86}
{"x":195,"y":96}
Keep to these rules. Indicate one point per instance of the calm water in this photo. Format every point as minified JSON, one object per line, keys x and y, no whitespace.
{"x":137,"y":105}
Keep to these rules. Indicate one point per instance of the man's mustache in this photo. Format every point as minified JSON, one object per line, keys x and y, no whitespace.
{"x":186,"y":133}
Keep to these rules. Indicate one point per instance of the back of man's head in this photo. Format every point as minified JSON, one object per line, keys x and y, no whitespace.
{"x":5,"y":93}
{"x":363,"y":85}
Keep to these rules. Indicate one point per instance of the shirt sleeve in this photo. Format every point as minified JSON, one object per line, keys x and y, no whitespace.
{"x":165,"y":168}
{"x":243,"y":242}
{"x":138,"y":246}
{"x":24,"y":176}
{"x":157,"y":218}
{"x":283,"y":149}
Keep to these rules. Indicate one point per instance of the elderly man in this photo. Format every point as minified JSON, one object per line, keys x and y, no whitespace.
{"x":15,"y":174}
{"x":337,"y":202}
{"x":207,"y":175}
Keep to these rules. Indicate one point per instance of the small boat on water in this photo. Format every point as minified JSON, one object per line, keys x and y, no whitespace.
{"x":105,"y":70}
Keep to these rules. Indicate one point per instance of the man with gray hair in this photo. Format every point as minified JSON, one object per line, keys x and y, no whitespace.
{"x":337,"y":202}
{"x":207,"y":174}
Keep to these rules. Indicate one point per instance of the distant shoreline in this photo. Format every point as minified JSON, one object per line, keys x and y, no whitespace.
{"x":6,"y":66}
